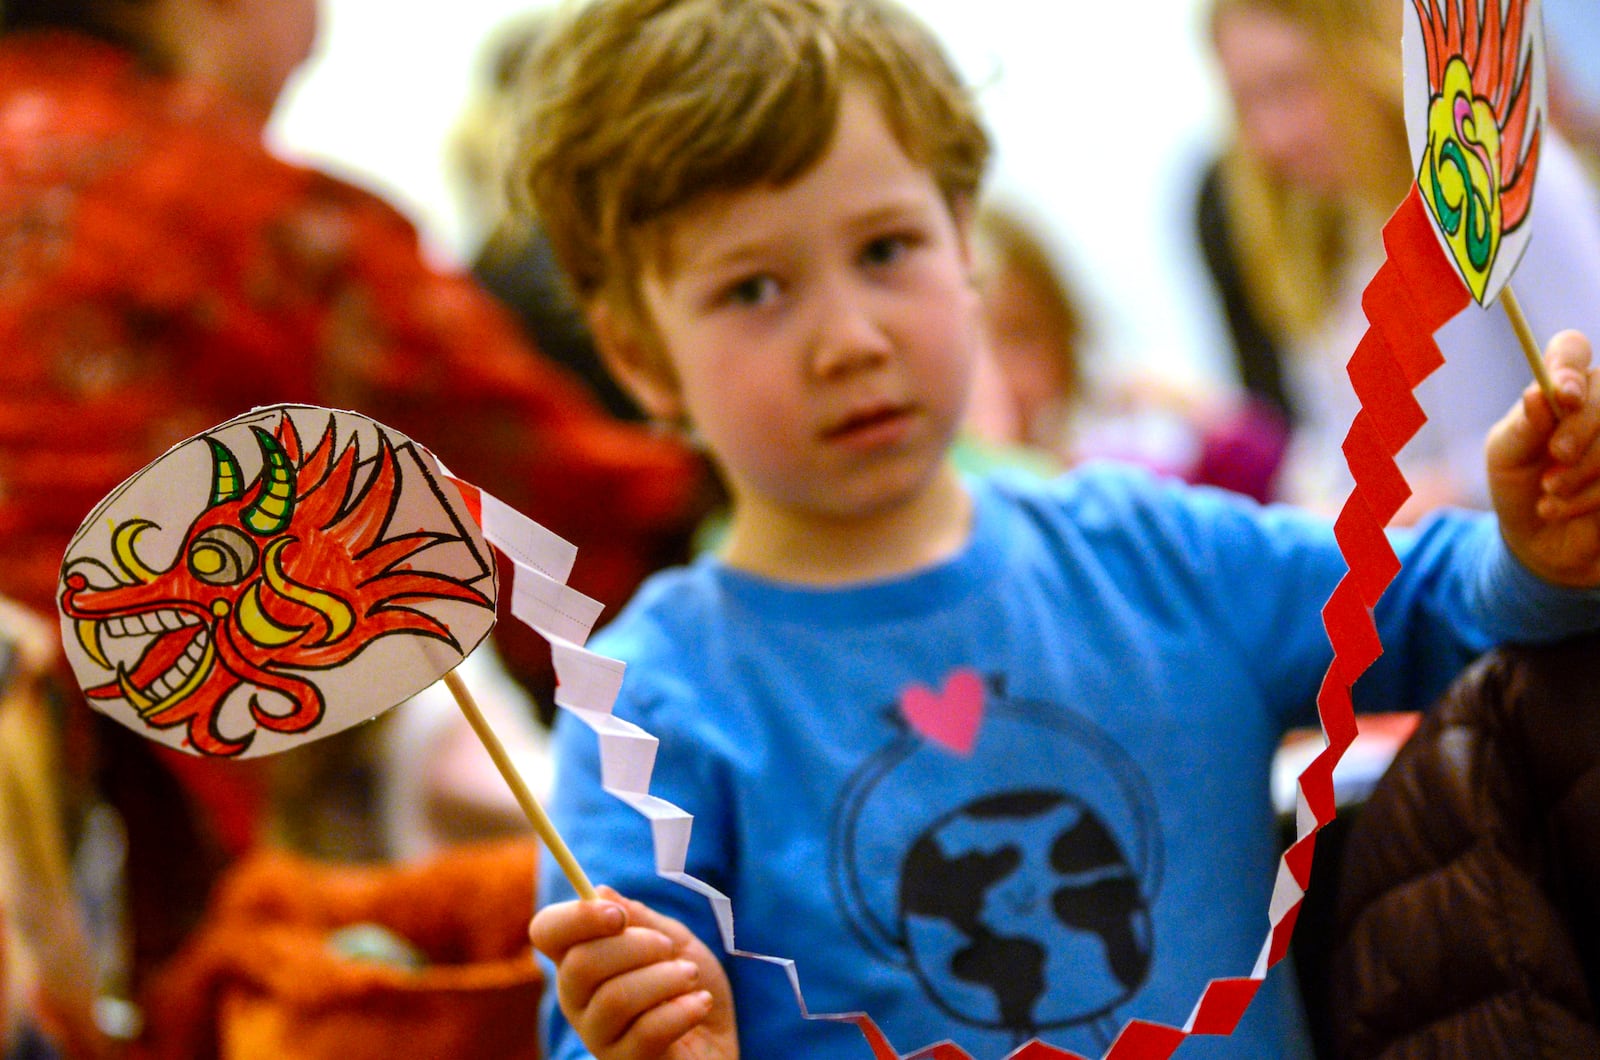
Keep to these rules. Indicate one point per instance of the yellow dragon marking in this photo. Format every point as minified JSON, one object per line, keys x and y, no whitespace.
{"x":341,"y":619}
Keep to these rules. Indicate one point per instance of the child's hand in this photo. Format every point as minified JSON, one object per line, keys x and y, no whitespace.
{"x":634,"y":984}
{"x":1544,"y":469}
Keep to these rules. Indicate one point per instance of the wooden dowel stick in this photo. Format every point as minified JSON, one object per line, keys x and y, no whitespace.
{"x":1530,"y":345}
{"x":530,"y":805}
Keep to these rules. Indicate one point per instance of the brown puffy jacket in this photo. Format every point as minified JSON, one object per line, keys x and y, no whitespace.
{"x":1469,"y":903}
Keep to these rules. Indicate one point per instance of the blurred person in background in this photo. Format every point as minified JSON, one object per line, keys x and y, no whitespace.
{"x":1289,"y":219}
{"x":513,"y":259}
{"x":1044,"y":387}
{"x":1573,"y":28}
{"x":48,"y":965}
{"x":163,"y":271}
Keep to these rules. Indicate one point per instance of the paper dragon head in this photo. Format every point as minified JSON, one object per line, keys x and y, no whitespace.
{"x":277,"y":582}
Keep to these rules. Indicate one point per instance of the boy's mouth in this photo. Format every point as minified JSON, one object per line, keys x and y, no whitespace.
{"x":874,"y":425}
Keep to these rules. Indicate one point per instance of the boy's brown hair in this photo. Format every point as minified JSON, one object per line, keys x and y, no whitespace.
{"x":638,"y":108}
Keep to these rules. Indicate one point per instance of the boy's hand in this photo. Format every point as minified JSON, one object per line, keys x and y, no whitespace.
{"x":634,"y":984}
{"x":1544,"y":469}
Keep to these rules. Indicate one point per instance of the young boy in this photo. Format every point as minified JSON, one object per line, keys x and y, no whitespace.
{"x":987,"y":759}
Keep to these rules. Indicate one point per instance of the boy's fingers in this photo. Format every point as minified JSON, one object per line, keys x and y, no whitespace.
{"x":1568,"y":351}
{"x":1574,"y":441}
{"x":1570,"y":485}
{"x":630,"y":980}
{"x":640,"y":1012}
{"x":664,"y":1024}
{"x":1567,"y":361}
{"x":557,"y":928}
{"x":1521,"y":438}
{"x":589,"y":966}
{"x":643,"y":915}
{"x":1534,"y":433}
{"x":1576,"y":506}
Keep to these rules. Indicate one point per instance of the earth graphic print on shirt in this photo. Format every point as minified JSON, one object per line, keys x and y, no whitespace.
{"x":1015,"y":888}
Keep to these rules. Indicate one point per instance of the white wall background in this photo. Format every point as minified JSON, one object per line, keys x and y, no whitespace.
{"x":1101,"y":113}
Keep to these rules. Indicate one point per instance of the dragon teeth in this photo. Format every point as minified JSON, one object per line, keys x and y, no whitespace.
{"x":148,"y":622}
{"x":181,"y":670}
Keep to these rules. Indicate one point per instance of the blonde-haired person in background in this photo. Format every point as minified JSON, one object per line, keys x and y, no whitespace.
{"x":1289,"y":220}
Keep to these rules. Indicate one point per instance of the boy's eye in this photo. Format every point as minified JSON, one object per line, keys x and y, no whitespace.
{"x":885,"y":250}
{"x":752,"y":291}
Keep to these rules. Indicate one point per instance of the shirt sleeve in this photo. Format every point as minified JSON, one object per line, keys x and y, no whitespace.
{"x":1264,"y":573}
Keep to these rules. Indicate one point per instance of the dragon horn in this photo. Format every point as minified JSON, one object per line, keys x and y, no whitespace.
{"x":226,"y":479}
{"x":269,"y":513}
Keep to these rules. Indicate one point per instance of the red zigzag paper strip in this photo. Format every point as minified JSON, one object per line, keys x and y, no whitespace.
{"x":1413,"y":295}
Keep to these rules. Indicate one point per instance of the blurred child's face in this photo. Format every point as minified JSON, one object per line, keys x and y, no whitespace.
{"x":1278,"y":85}
{"x":1029,"y":348}
{"x":822,"y":334}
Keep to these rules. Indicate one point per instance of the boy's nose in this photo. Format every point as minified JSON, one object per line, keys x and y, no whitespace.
{"x":849,"y":335}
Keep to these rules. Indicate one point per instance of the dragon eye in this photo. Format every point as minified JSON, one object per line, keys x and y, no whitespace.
{"x":222,"y":555}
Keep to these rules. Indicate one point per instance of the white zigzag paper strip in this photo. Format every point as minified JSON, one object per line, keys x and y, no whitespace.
{"x":587,"y":684}
{"x":627,"y":758}
{"x":525,"y":541}
{"x":552,"y":608}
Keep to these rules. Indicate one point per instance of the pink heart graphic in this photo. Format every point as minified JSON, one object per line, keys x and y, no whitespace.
{"x":950,"y":718}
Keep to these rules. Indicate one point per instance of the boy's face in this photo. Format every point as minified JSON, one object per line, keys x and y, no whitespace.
{"x":821,"y":335}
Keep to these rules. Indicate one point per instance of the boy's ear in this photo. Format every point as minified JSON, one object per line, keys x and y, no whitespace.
{"x":634,"y":361}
